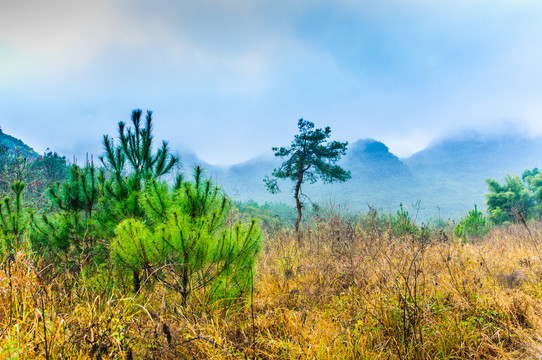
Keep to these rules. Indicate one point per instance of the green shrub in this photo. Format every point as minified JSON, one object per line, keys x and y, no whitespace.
{"x":12,"y":220}
{"x":72,"y":229}
{"x":187,"y":242}
{"x":474,"y":225}
{"x":510,"y":201}
{"x":402,"y":224}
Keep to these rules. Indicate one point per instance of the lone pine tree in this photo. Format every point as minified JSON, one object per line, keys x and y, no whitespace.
{"x":309,"y":157}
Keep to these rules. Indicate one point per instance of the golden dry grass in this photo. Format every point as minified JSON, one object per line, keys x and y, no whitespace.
{"x":350,"y":291}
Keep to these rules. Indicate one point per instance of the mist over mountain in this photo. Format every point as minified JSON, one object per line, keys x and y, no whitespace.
{"x":453,"y":171}
{"x":445,"y":179}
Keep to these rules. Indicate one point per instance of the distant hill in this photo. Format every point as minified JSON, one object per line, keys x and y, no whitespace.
{"x":447,"y":178}
{"x":16,"y":145}
{"x":453,"y":171}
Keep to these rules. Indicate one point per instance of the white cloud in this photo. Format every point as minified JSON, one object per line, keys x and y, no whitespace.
{"x":401,"y":71}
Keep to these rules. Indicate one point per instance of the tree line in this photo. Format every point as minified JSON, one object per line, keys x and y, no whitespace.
{"x":122,"y":215}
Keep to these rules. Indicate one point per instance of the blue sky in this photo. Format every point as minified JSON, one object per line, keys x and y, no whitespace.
{"x":230,"y":78}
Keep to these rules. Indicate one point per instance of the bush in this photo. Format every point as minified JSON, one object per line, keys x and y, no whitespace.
{"x":187,"y":242}
{"x":474,"y":225}
{"x":402,"y":224}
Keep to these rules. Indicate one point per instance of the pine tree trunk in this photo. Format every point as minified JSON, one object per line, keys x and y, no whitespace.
{"x":185,"y":281}
{"x":137,"y":281}
{"x":298,"y":206}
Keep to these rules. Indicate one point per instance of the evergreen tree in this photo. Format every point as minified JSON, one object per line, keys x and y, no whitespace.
{"x":12,"y":219}
{"x":132,"y":163}
{"x":474,"y":225}
{"x":187,"y":243}
{"x":511,"y":201}
{"x":533,"y":180}
{"x":52,"y":166}
{"x":73,"y":229}
{"x":309,"y":157}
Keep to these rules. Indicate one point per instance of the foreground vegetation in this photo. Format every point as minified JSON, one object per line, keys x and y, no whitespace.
{"x":354,"y":290}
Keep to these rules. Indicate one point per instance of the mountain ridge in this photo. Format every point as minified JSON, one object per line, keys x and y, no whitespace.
{"x":446,"y":178}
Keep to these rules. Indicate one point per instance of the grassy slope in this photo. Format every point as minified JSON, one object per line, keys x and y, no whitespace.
{"x":351,"y":291}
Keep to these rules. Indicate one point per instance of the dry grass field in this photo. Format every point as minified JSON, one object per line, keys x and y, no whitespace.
{"x":351,"y":290}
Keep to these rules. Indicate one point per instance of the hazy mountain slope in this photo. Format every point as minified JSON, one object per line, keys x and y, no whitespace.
{"x":245,"y":181}
{"x":453,"y":171}
{"x":490,"y":155}
{"x":448,"y":177}
{"x":13,"y":144}
{"x":379,"y":178}
{"x":189,"y":160}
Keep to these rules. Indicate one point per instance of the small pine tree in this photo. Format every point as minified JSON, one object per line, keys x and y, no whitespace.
{"x":188,"y":238}
{"x":474,"y":225}
{"x":12,"y":220}
{"x":74,"y":227}
{"x":402,"y":224}
{"x":132,"y":163}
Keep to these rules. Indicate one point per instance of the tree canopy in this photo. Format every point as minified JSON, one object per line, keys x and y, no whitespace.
{"x":516,"y":199}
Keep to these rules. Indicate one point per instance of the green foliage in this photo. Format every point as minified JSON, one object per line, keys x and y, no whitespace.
{"x":510,"y":201}
{"x":533,"y":179}
{"x":12,"y":220}
{"x":132,"y":163}
{"x":309,"y":157}
{"x":34,"y":172}
{"x":80,"y":193}
{"x":13,"y":167}
{"x":134,"y":246}
{"x":272,"y":216}
{"x":402,"y":224}
{"x":188,"y":243}
{"x":182,"y":236}
{"x":14,"y":145}
{"x":52,"y":166}
{"x":73,"y":228}
{"x":474,"y":225}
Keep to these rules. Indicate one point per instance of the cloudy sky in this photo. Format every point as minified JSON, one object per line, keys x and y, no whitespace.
{"x":230,"y":78}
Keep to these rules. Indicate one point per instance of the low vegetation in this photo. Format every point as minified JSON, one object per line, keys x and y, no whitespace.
{"x":354,"y":290}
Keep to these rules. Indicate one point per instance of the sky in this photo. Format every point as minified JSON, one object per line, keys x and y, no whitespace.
{"x":229,"y":79}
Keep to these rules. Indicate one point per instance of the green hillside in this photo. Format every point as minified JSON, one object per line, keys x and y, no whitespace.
{"x":16,"y":145}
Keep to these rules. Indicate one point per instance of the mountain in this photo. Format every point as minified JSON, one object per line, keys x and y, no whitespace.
{"x":379,"y":178}
{"x":245,"y":181}
{"x":453,"y":171}
{"x":459,"y":157}
{"x":16,"y":145}
{"x":371,"y":159}
{"x":445,"y":179}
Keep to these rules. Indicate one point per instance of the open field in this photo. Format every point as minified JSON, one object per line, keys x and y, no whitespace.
{"x":351,"y":290}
